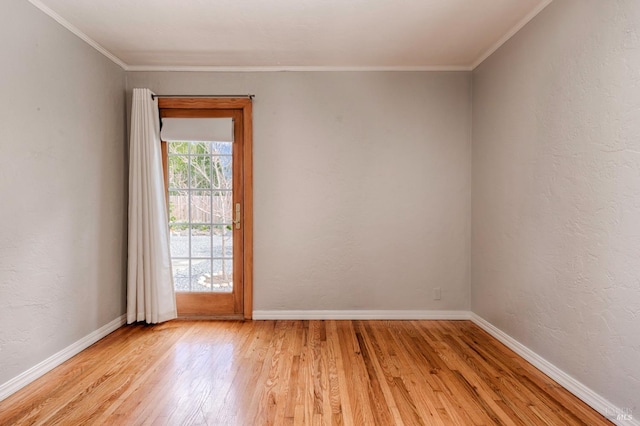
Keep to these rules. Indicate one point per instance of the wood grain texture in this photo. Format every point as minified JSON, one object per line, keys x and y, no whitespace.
{"x":202,"y":305}
{"x":204,"y":103}
{"x":295,"y":373}
{"x":247,"y":200}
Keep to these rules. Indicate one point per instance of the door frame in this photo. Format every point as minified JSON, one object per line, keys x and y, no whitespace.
{"x":242,"y":106}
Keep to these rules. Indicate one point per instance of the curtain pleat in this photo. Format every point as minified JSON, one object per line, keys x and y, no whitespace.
{"x":150,"y":291}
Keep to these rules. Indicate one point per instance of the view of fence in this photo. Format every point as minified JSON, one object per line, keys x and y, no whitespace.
{"x":202,"y":204}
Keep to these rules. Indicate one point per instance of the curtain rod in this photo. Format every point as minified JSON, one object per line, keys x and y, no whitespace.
{"x":202,"y":96}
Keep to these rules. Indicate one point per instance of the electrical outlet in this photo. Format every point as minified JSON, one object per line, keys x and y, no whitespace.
{"x":437,"y":294}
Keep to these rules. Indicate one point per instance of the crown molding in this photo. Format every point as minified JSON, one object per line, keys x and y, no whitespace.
{"x":269,"y":68}
{"x":301,"y":68}
{"x":524,"y":21}
{"x":277,"y":68}
{"x":91,"y":42}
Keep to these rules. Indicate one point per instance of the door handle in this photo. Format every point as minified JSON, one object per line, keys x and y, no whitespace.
{"x":236,"y":222}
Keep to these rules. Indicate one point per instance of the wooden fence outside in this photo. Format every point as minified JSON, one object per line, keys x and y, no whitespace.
{"x":201,"y":207}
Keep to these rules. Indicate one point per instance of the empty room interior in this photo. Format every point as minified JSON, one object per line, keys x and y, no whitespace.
{"x":419,"y":212}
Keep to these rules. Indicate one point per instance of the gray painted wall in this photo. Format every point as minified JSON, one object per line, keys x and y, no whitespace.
{"x":63,"y":186}
{"x":556,"y":192}
{"x":362,"y":185}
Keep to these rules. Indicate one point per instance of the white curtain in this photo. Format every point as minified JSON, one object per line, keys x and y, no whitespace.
{"x":150,"y":293}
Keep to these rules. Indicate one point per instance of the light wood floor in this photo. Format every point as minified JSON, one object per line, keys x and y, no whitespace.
{"x":297,"y":372}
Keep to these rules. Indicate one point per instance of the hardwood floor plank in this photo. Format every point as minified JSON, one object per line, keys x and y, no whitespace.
{"x":428,"y":365}
{"x":357,"y":387}
{"x":377,"y":399}
{"x":403,"y":368}
{"x":340,"y":400}
{"x":297,"y":373}
{"x":378,"y":363}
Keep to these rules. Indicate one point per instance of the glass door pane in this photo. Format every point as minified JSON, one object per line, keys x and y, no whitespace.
{"x":200,"y":176}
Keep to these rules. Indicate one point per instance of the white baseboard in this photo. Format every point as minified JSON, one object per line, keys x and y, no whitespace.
{"x":361,"y":315}
{"x":20,"y":381}
{"x":577,"y":388}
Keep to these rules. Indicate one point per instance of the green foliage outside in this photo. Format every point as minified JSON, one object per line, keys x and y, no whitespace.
{"x":200,"y":165}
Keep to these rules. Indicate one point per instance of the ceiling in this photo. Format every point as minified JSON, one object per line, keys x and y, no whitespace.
{"x":294,"y":34}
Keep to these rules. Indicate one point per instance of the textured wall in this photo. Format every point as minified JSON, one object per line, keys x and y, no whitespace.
{"x":362,"y":192}
{"x":556,"y":192}
{"x":62,"y":185}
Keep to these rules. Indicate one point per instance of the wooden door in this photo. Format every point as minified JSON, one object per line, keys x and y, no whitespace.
{"x":209,"y":200}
